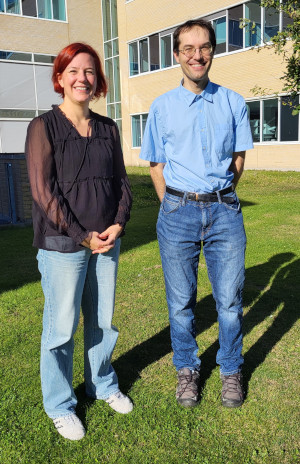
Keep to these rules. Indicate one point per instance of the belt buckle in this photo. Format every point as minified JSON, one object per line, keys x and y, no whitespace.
{"x":197,"y":197}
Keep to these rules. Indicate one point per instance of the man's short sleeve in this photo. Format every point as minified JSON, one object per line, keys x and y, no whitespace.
{"x":243,"y":137}
{"x":153,"y":142}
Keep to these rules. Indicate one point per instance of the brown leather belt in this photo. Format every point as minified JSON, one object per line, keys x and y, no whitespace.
{"x":206,"y":197}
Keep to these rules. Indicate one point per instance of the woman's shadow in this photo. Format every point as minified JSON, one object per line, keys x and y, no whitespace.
{"x":267,"y":286}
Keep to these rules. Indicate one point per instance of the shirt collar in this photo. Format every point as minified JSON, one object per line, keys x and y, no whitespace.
{"x":191,"y":97}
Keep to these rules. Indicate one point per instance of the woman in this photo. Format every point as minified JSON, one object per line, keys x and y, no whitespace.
{"x":81,"y":203}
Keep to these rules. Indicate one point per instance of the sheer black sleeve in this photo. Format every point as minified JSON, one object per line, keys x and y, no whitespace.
{"x":46,"y":193}
{"x":121,"y":182}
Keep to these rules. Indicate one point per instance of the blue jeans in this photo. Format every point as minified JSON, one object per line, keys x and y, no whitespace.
{"x":71,"y":280}
{"x":182,"y":227}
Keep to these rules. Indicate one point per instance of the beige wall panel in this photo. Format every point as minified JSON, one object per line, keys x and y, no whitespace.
{"x":268,"y":157}
{"x":145,"y":17}
{"x":32,"y":35}
{"x":243,"y":70}
{"x":283,"y":157}
{"x":85,"y":19}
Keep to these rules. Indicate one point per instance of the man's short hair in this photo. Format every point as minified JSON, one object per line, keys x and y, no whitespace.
{"x":188,"y":25}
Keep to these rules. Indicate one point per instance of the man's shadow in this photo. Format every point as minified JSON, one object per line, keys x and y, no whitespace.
{"x":267,"y":286}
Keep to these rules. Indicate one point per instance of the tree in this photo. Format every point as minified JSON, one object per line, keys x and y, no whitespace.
{"x":291,"y":54}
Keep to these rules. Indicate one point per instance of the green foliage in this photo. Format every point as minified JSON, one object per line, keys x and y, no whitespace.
{"x":291,"y":54}
{"x":264,"y":431}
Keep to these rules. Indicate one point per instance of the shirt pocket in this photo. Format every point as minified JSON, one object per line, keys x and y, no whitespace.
{"x":224,"y":138}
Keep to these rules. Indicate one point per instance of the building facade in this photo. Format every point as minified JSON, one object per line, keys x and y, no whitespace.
{"x":135,"y":39}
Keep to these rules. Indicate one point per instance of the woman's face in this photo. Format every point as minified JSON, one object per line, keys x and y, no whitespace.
{"x":79,"y":79}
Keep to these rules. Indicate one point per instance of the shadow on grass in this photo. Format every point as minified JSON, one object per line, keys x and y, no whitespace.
{"x":268,"y":286}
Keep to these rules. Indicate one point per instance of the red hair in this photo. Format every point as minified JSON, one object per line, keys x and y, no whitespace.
{"x":65,"y":57}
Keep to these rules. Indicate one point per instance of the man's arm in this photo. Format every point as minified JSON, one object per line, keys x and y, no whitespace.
{"x":156,"y":173}
{"x":237,"y":165}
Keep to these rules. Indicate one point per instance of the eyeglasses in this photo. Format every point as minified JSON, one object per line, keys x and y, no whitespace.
{"x":205,"y":50}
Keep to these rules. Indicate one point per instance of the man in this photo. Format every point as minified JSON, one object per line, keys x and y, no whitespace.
{"x":195,"y":139}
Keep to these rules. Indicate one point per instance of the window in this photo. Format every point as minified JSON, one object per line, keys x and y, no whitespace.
{"x":112,"y":62}
{"x":271,"y":120}
{"x":235,"y":33}
{"x":271,"y":24}
{"x":154,"y":52}
{"x":289,"y":124}
{"x":253,"y":30}
{"x":133,"y":59}
{"x":26,"y":91}
{"x":254,"y":118}
{"x":29,"y":8}
{"x":46,"y":9}
{"x":144,"y":60}
{"x":166,"y":51}
{"x":219,"y":26}
{"x":138,"y":124}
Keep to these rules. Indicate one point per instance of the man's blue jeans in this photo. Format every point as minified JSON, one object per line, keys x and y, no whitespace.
{"x":71,"y":280}
{"x":181,"y":228}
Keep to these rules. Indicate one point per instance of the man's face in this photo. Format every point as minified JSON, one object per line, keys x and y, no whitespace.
{"x":197,"y":67}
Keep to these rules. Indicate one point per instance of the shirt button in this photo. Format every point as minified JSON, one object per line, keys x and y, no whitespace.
{"x":204,"y":148}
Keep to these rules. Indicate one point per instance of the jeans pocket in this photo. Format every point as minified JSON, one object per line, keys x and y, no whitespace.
{"x":170,"y":204}
{"x":235,"y":206}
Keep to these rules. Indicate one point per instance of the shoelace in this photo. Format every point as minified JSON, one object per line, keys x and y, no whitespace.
{"x":58,"y":424}
{"x":232,"y":383}
{"x":187,"y":384}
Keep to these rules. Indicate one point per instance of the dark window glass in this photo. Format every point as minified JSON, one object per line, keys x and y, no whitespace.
{"x":17,"y":114}
{"x":133,"y":59}
{"x":144,"y":60}
{"x":289,"y":124}
{"x":44,"y":9}
{"x":44,"y":58}
{"x":29,"y":8}
{"x":254,"y":117}
{"x":219,"y":26}
{"x":106,"y":19}
{"x":253,"y":29}
{"x":154,"y":52}
{"x":59,"y":10}
{"x":166,"y":51}
{"x":270,"y":120}
{"x":235,"y":33}
{"x":13,"y":6}
{"x":271,"y":23}
{"x":15,"y":56}
{"x":136,"y":131}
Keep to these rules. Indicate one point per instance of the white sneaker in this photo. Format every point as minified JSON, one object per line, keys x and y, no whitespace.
{"x":70,"y":427}
{"x":120,"y":403}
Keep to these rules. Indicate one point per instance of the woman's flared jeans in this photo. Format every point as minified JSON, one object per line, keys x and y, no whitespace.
{"x":71,"y":280}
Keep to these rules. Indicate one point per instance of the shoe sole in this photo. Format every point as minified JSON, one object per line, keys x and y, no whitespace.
{"x":188,"y":403}
{"x":229,"y":404}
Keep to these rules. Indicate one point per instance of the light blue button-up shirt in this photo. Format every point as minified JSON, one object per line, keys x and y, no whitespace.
{"x":195,"y":135}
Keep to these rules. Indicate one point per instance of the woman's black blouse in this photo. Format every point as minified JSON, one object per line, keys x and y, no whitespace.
{"x":78,"y":184}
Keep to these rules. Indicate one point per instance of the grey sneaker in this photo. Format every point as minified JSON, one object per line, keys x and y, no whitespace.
{"x":232,"y":390}
{"x":187,"y":393}
{"x":70,"y":427}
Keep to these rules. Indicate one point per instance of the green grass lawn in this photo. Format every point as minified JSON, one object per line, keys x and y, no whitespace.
{"x":264,"y":430}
